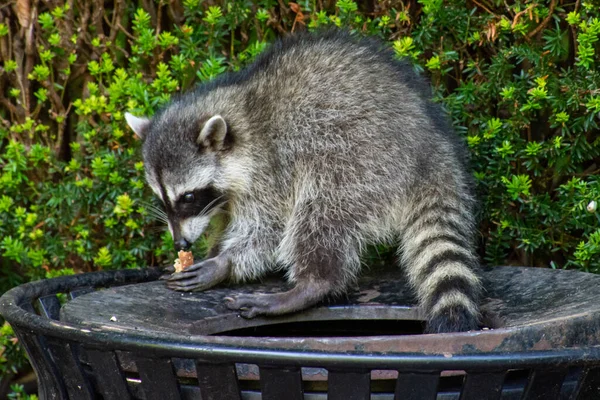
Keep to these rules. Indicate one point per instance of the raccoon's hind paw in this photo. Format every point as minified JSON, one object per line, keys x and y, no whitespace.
{"x":252,"y":305}
{"x":304,"y":295}
{"x":458,"y":319}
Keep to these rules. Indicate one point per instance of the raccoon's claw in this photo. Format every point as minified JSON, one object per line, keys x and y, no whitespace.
{"x":185,"y":286}
{"x":200,"y":276}
{"x":167,"y":272}
{"x":304,"y":295}
{"x":253,"y":305}
{"x":169,"y":269}
{"x":248,"y":305}
{"x":189,"y":281}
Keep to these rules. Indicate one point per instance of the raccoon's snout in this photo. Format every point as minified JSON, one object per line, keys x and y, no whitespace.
{"x":182,"y":244}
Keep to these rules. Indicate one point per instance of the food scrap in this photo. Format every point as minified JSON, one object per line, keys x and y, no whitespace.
{"x":186,"y":258}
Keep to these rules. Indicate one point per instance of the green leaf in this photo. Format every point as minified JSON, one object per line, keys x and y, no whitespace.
{"x":124,"y":205}
{"x":103,"y":257}
{"x":262,"y":15}
{"x":434,"y":63}
{"x":213,"y":15}
{"x":10,"y":65}
{"x":346,"y":6}
{"x":573,"y":18}
{"x":46,"y":21}
{"x":517,"y":186}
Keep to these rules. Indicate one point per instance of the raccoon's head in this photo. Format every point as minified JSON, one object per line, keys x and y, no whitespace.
{"x":182,"y":156}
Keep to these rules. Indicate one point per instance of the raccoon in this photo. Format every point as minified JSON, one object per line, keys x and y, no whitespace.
{"x":325,"y":144}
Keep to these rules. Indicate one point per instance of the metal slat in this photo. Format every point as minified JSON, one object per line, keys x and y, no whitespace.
{"x":67,"y":361}
{"x":50,"y":306}
{"x":349,"y":385}
{"x":417,"y":386}
{"x":80,"y":291}
{"x":29,"y":308}
{"x":50,"y":384}
{"x":217,"y":381}
{"x":281,"y":383}
{"x":111,"y":382}
{"x":158,"y":380}
{"x":589,"y":385}
{"x":485,"y":385}
{"x":545,"y":384}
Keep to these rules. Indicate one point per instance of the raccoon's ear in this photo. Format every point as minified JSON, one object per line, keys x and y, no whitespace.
{"x":213,"y":133}
{"x":138,"y":124}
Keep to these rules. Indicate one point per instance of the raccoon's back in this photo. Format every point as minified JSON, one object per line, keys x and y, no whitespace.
{"x":336,"y":72}
{"x":349,"y":100}
{"x":333,"y":88}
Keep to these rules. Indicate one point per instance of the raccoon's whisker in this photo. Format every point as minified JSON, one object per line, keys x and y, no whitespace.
{"x":157,"y":213}
{"x":158,"y":216}
{"x":223,"y":210}
{"x":156,"y":209}
{"x":151,"y":204}
{"x":157,"y":229}
{"x":209,"y":205}
{"x":148,"y":203}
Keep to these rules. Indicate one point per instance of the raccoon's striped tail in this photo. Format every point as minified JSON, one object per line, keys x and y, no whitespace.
{"x":437,"y":251}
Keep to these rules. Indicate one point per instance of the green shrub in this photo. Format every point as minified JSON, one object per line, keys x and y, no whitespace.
{"x":519,"y":80}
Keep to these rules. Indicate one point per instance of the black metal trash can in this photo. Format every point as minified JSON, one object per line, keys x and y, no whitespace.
{"x":122,"y":334}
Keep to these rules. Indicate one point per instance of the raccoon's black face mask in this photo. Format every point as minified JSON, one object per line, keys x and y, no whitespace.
{"x":181,"y":168}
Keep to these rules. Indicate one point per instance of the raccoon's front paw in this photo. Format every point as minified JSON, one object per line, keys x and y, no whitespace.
{"x":252,"y":305}
{"x":199,"y":276}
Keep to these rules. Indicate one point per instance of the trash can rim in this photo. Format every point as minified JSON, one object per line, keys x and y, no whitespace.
{"x":232,"y":348}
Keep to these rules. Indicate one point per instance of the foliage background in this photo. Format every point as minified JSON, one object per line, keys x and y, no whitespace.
{"x":519,"y":78}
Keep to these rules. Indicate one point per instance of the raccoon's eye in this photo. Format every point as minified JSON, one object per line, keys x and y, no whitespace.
{"x":188,"y":198}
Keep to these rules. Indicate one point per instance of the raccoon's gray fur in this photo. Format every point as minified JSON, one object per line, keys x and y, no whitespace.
{"x":323,"y":145}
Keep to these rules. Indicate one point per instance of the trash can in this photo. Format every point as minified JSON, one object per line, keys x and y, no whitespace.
{"x":124,"y":335}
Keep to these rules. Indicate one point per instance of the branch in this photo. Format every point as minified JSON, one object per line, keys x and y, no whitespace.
{"x":8,"y":105}
{"x":484,"y":7}
{"x":117,"y":15}
{"x":544,"y":22}
{"x":129,"y":35}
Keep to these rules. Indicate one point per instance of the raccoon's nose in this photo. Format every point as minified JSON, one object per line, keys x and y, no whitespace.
{"x":182,"y":244}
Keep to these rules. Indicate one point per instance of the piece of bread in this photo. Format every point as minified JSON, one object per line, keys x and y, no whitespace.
{"x":186,"y":258}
